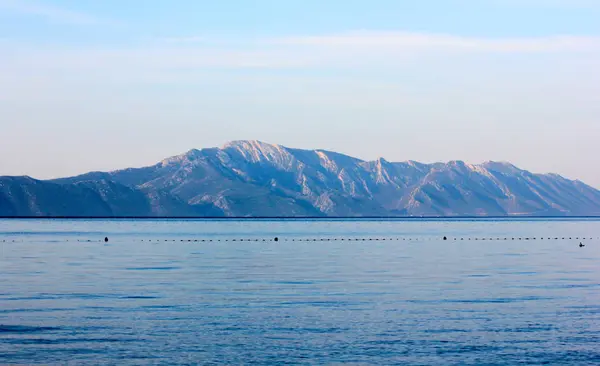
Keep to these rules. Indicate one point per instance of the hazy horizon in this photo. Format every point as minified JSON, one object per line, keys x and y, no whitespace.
{"x":100,"y":86}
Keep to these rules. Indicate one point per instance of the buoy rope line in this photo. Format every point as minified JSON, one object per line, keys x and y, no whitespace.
{"x":331,"y":238}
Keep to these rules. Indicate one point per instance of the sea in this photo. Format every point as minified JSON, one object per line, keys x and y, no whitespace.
{"x":310,"y":292}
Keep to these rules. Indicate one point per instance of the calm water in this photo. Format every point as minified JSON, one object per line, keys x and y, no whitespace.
{"x":150,"y":296}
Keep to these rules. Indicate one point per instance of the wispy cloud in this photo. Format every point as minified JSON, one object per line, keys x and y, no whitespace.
{"x":361,"y":50}
{"x":430,"y":41}
{"x":401,"y":41}
{"x":49,"y":12}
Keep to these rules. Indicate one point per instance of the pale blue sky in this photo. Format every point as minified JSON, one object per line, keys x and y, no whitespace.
{"x":102,"y":85}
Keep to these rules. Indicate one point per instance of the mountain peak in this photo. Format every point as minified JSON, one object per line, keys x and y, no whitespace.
{"x":192,"y":152}
{"x":256,"y":151}
{"x":501,"y":167}
{"x":189,"y":156}
{"x":247,"y":144}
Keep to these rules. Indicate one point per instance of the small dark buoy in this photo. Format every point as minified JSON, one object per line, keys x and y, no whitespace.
{"x":106,"y":240}
{"x":581,"y":245}
{"x":445,"y":238}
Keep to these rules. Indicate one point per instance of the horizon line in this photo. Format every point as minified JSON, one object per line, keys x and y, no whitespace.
{"x":299,"y":218}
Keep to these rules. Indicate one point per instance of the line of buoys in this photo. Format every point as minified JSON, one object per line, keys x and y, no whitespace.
{"x":445,"y":238}
{"x":329,"y":239}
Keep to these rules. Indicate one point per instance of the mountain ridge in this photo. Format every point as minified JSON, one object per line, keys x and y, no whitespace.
{"x":250,"y":178}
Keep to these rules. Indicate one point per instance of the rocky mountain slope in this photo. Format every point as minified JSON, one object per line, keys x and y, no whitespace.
{"x":253,"y":178}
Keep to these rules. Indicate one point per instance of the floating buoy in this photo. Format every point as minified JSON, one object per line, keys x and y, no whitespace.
{"x":106,"y":239}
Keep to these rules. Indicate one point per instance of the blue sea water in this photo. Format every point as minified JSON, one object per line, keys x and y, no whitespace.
{"x":496,"y":292}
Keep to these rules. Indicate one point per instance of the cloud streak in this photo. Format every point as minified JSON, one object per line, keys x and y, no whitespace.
{"x":48,"y":12}
{"x":444,"y":42}
{"x":364,"y":50}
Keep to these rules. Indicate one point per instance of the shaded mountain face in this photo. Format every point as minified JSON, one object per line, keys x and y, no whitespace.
{"x":24,"y":196}
{"x":252,"y":178}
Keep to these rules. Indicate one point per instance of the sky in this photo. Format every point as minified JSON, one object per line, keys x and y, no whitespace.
{"x":90,"y":85}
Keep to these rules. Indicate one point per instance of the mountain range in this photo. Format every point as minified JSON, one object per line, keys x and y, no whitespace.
{"x":257,"y":179}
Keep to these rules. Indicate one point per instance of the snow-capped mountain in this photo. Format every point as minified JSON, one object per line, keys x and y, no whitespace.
{"x":253,"y":178}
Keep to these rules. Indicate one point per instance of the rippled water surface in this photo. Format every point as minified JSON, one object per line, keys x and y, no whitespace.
{"x":327,"y":292}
